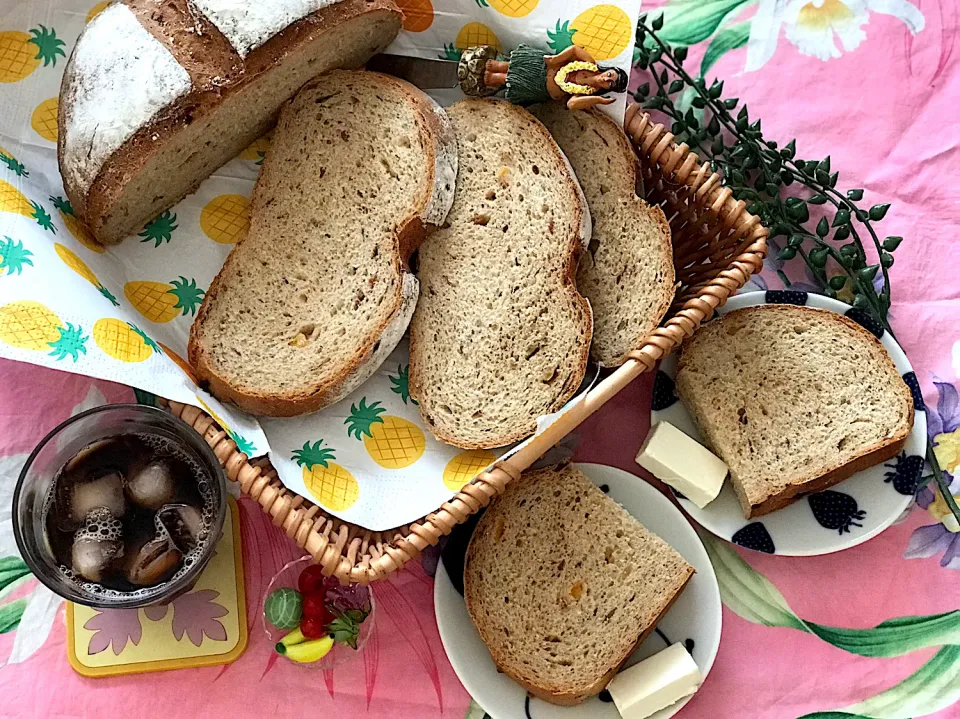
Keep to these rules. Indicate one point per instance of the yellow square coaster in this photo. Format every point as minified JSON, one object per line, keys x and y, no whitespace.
{"x":206,"y":626}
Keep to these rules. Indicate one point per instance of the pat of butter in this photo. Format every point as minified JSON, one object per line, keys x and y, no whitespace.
{"x":655,"y":683}
{"x":683,"y":463}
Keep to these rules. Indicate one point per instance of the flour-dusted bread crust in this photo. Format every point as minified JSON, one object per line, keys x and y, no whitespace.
{"x":627,"y":271}
{"x":793,"y":399}
{"x":312,"y":302}
{"x":562,"y":584}
{"x":501,"y":335}
{"x":156,"y":96}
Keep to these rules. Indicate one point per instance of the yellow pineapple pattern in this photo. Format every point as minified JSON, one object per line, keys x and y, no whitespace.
{"x":226,"y":219}
{"x":511,"y":8}
{"x":74,"y":226}
{"x":97,"y":9}
{"x":74,"y":262}
{"x":44,"y":119}
{"x":21,"y":53}
{"x":330,"y":484}
{"x":392,"y":442}
{"x":471,"y":35}
{"x":465,"y":466}
{"x":10,"y":162}
{"x":257,"y":150}
{"x":123,"y":341}
{"x":12,"y":200}
{"x":161,"y":301}
{"x":29,"y":325}
{"x":604,"y":31}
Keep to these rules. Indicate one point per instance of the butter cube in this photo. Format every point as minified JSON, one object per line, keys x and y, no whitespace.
{"x":655,"y":683}
{"x":686,"y":465}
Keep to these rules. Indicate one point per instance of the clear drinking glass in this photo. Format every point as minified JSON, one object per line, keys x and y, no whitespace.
{"x":62,"y":444}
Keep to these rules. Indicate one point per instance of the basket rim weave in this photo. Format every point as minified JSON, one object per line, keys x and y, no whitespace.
{"x":355,"y":554}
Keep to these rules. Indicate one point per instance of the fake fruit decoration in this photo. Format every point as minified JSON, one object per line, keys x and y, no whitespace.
{"x":320,"y":616}
{"x":283,"y":608}
{"x":313,"y":628}
{"x":311,"y":580}
{"x":310,"y":651}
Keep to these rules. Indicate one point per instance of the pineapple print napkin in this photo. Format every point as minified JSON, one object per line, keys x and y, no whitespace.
{"x":438,"y":29}
{"x":124,"y":313}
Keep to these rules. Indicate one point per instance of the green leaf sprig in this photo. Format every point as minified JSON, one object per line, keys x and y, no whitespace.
{"x":796,"y":199}
{"x":345,"y":629}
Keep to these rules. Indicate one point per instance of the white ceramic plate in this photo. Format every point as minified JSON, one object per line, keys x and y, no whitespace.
{"x":843,"y":516}
{"x":695,"y":615}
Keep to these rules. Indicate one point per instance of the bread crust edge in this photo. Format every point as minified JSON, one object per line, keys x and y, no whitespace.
{"x":131,"y":157}
{"x":874,"y":455}
{"x":409,"y":235}
{"x":554,"y":695}
{"x":577,"y":245}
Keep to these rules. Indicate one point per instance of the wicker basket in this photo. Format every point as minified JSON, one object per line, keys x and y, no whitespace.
{"x":717,"y":245}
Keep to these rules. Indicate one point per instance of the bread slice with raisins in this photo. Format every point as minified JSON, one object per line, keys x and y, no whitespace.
{"x":562,"y":584}
{"x":360,"y":169}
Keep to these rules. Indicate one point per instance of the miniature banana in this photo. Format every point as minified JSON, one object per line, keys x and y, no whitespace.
{"x":304,"y":652}
{"x":288,"y":640}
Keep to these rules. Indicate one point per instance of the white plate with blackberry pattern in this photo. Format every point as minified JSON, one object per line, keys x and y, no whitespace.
{"x":694,"y":618}
{"x":843,"y":516}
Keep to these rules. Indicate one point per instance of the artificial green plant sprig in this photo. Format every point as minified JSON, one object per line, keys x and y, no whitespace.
{"x":779,"y":188}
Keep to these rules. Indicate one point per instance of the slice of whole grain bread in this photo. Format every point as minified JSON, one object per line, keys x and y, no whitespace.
{"x":501,"y":335}
{"x":793,"y":399}
{"x":318,"y":294}
{"x":627,"y":272}
{"x":562,"y":584}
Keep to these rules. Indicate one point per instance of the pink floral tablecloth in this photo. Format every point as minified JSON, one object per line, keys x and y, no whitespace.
{"x":872,"y":83}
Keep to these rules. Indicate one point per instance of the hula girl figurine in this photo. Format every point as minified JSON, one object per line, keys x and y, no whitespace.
{"x":531,"y":76}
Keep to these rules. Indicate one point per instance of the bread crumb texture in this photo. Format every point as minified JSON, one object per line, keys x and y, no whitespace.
{"x":561,"y":581}
{"x":785,"y":394}
{"x":500,"y":334}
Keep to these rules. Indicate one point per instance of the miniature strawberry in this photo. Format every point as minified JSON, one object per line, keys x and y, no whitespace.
{"x":313,"y":628}
{"x":664,"y":392}
{"x":905,"y":473}
{"x":311,"y":580}
{"x":754,"y":536}
{"x":314,"y":607}
{"x":835,"y":510}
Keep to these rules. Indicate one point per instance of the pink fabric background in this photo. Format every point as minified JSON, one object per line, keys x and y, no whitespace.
{"x":886,"y":113}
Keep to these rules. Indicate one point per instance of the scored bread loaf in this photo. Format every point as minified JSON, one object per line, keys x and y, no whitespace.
{"x":501,"y":335}
{"x":158,"y":94}
{"x":627,"y":271}
{"x":562,"y":584}
{"x":793,"y":399}
{"x":316,"y":297}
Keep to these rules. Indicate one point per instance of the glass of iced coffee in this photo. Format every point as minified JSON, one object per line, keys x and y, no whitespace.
{"x":119,"y":507}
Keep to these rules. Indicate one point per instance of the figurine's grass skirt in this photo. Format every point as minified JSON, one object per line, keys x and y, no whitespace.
{"x":527,"y":76}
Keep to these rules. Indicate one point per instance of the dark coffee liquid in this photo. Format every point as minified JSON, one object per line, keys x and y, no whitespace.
{"x":145,"y":482}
